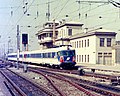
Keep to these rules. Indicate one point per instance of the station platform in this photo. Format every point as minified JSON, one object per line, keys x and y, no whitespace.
{"x":3,"y":89}
{"x":112,"y":68}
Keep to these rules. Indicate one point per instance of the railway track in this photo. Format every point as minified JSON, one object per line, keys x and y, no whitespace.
{"x":101,"y":73}
{"x":23,"y":86}
{"x":13,"y":89}
{"x":90,"y":74}
{"x":76,"y":72}
{"x":68,"y":88}
{"x":102,"y":89}
{"x":63,"y":88}
{"x":92,"y":86}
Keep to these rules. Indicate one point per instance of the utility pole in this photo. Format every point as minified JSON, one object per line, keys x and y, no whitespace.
{"x":54,"y":32}
{"x":18,"y":46}
{"x":48,"y":13}
{"x":9,"y":44}
{"x":4,"y":51}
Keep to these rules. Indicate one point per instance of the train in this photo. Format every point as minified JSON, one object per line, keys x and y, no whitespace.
{"x":61,"y":57}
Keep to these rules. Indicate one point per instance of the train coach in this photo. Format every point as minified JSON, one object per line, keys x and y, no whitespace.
{"x":62,"y":57}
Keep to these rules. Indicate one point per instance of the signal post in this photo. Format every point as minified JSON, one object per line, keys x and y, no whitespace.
{"x":25,"y":48}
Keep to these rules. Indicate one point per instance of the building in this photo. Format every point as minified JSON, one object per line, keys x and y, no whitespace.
{"x":67,"y":30}
{"x":116,"y":53}
{"x":92,"y":47}
{"x":45,"y":35}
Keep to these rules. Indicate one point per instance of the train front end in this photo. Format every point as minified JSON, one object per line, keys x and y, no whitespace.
{"x":67,"y":58}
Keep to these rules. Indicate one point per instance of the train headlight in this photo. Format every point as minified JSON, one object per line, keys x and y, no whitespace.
{"x":61,"y":59}
{"x":73,"y":59}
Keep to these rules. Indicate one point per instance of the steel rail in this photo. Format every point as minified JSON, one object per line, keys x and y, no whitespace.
{"x":41,"y":88}
{"x":77,"y":86}
{"x":13,"y":84}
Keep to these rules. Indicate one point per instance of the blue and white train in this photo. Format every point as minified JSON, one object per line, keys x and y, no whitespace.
{"x":63,"y":57}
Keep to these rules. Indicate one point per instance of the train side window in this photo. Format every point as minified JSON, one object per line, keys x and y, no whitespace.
{"x":63,"y":53}
{"x":41,"y":55}
{"x":45,"y":55}
{"x":26,"y":55}
{"x":58,"y":53}
{"x":53,"y":54}
{"x":34,"y":55}
{"x":30,"y":55}
{"x":20,"y":56}
{"x":37,"y":55}
{"x":49,"y":55}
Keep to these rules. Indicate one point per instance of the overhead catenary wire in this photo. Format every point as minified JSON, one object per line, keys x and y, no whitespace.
{"x":61,"y":9}
{"x":58,"y":13}
{"x":116,"y":4}
{"x":20,"y":18}
{"x":8,"y":22}
{"x":70,"y":13}
{"x":20,"y":6}
{"x":10,"y":18}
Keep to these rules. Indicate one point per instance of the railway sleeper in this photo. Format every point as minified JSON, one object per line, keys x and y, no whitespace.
{"x":115,"y":81}
{"x":81,"y":71}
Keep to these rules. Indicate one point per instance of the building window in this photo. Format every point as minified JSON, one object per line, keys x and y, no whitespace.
{"x":75,"y":44}
{"x":51,"y":35}
{"x":60,"y":34}
{"x":79,"y":58}
{"x":79,"y":44}
{"x":82,"y":43}
{"x":109,"y":53}
{"x":82,"y":58}
{"x":108,"y":42}
{"x":64,"y":32}
{"x":102,"y":41}
{"x":88,"y":42}
{"x":88,"y":58}
{"x":69,"y":32}
{"x":85,"y":58}
{"x":99,"y":54}
{"x":39,"y":37}
{"x":85,"y":43}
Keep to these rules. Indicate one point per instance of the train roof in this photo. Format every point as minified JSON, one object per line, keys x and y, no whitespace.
{"x":55,"y":49}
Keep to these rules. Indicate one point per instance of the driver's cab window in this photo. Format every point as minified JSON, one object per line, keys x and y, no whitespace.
{"x":58,"y":53}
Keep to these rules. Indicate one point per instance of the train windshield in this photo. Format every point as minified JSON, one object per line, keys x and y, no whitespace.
{"x":66,"y":53}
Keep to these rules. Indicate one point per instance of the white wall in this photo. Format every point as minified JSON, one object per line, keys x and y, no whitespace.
{"x":91,"y":50}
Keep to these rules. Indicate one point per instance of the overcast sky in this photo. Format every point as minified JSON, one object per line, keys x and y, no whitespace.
{"x":92,"y":15}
